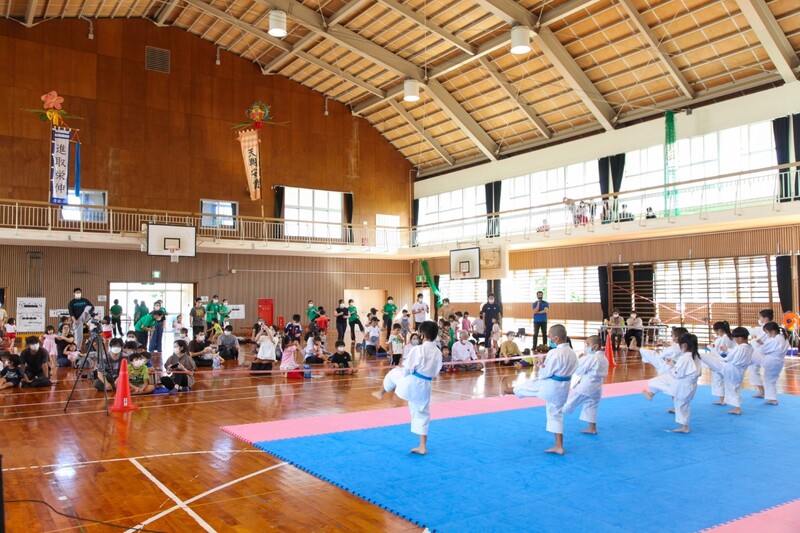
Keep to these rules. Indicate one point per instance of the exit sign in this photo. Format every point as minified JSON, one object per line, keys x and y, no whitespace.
{"x":420,"y":279}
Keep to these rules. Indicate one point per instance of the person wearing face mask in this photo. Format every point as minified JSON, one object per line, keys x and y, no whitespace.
{"x":80,"y":310}
{"x":312,"y":311}
{"x":257,"y":329}
{"x":341,"y":320}
{"x":197,"y":317}
{"x":389,"y":310}
{"x":463,"y":352}
{"x":201,"y":350}
{"x":180,"y":369}
{"x":341,"y":360}
{"x":634,"y":329}
{"x":491,"y":310}
{"x":588,"y":388}
{"x":353,"y":320}
{"x":34,"y":364}
{"x":224,"y":313}
{"x":540,"y":311}
{"x":396,"y":343}
{"x":108,"y":371}
{"x":420,"y":311}
{"x":267,"y":353}
{"x":414,"y":341}
{"x":139,"y":376}
{"x":293,"y":330}
{"x":212,"y":311}
{"x":765,"y":316}
{"x":509,"y":349}
{"x":156,"y":339}
{"x":3,"y":315}
{"x":146,"y":325}
{"x":616,"y":324}
{"x":551,"y":384}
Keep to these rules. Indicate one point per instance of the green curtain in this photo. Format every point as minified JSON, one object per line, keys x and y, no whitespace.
{"x":670,"y":164}
{"x":427,"y":271}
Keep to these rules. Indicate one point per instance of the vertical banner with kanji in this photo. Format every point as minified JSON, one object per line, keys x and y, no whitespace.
{"x":59,"y":165}
{"x":252,"y":162}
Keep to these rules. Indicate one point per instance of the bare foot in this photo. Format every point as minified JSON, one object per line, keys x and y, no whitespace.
{"x":555,"y":449}
{"x":670,"y":410}
{"x":718,"y":402}
{"x":647,"y":394}
{"x":355,"y":371}
{"x":419,"y":450}
{"x":771,"y":402}
{"x":505,"y":387}
{"x":736,"y":411}
{"x":758,"y":395}
{"x":379,"y":394}
{"x":590,"y":431}
{"x":682,"y":429}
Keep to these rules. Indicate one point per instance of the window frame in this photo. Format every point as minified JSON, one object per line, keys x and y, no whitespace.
{"x":100,"y":209}
{"x":215,"y":217}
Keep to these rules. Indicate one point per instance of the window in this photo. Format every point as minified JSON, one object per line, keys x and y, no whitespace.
{"x":312,"y":213}
{"x":573,"y":284}
{"x":219,"y":214}
{"x":387,"y":232}
{"x":462,"y":290}
{"x":87,"y":197}
{"x":448,"y":211}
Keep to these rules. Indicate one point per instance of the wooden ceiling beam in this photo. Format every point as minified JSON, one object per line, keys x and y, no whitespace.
{"x":421,"y":130}
{"x":772,"y":38}
{"x":30,"y":12}
{"x":233,"y":21}
{"x":166,"y":11}
{"x":421,"y":20}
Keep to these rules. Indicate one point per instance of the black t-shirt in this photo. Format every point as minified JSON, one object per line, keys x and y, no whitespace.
{"x":60,"y":346}
{"x":342,"y":359}
{"x":34,"y":360}
{"x":345,"y":313}
{"x":490,"y":311}
{"x":195,"y":346}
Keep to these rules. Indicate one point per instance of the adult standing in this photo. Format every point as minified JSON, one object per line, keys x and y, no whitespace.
{"x":446,"y":310}
{"x":146,"y":325}
{"x":116,"y":318}
{"x":156,"y":339}
{"x":490,"y":310}
{"x":197,"y":317}
{"x":212,"y":311}
{"x":80,"y":312}
{"x":540,"y":311}
{"x":341,"y":319}
{"x":420,"y":311}
{"x":389,"y":309}
{"x":353,"y":320}
{"x":3,"y":316}
{"x":312,"y":312}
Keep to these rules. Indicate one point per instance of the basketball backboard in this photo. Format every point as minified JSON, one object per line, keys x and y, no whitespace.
{"x":161,"y":238}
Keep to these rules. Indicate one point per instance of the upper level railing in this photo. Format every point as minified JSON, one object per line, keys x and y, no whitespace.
{"x":700,"y":198}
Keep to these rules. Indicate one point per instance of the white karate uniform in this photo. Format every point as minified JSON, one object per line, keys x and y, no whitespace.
{"x":588,"y":389}
{"x":755,"y":367}
{"x":771,"y":355}
{"x":552,"y":385}
{"x":732,"y":369}
{"x":659,"y":359}
{"x":722,"y":345}
{"x":413,"y":382}
{"x":681,"y":384}
{"x":463,"y":351}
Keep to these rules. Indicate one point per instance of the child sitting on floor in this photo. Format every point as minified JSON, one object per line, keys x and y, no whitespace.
{"x":341,"y":360}
{"x":11,"y":374}
{"x":139,"y":375}
{"x":290,"y":348}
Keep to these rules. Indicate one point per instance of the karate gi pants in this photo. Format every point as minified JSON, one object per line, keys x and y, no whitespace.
{"x":553,"y":411}
{"x":589,"y":410}
{"x":420,"y":411}
{"x":772,"y":371}
{"x":664,"y":384}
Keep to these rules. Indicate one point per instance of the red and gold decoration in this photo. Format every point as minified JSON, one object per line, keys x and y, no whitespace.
{"x":257,"y":115}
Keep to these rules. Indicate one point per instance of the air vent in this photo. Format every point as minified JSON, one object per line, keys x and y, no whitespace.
{"x":156,"y":59}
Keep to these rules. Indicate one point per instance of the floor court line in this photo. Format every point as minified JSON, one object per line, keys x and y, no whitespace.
{"x":174,"y":508}
{"x":180,"y":503}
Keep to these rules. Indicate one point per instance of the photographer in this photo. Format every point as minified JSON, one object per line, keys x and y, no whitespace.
{"x":80,"y":309}
{"x":180,"y":367}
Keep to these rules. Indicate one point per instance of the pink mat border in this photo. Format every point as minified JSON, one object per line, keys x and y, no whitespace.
{"x":784,"y":518}
{"x":321,"y":425}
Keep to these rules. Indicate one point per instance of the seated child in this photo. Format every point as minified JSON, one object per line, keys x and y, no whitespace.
{"x":372,"y":336}
{"x":532,"y":360}
{"x":341,"y":360}
{"x":446,"y":358}
{"x":314,"y":354}
{"x":139,"y":375}
{"x":11,"y":374}
{"x":290,"y":348}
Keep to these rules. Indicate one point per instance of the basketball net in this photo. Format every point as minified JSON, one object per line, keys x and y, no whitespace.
{"x":173,"y":255}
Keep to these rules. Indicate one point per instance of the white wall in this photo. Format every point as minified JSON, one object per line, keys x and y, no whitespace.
{"x":764,"y":105}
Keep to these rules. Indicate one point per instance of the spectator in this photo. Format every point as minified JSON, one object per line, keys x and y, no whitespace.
{"x":313,"y":354}
{"x":405,"y":323}
{"x":323,"y":322}
{"x":257,"y":328}
{"x":197,"y":317}
{"x":341,"y":320}
{"x":11,"y":374}
{"x":139,"y":375}
{"x":342,"y":359}
{"x":446,"y":309}
{"x":544,"y":227}
{"x":372,"y":337}
{"x":540,"y":311}
{"x":572,"y":210}
{"x":509,"y":348}
{"x":34,"y":364}
{"x":650,"y":213}
{"x":212,"y":311}
{"x":10,"y":333}
{"x":478,"y":328}
{"x":634,"y":330}
{"x":491,"y":310}
{"x":312,"y":311}
{"x":224,"y":312}
{"x":625,"y":215}
{"x":293,"y":330}
{"x":420,"y":311}
{"x":616,"y":324}
{"x":463,"y":352}
{"x":353,"y":320}
{"x":395,"y":344}
{"x":80,"y":310}
{"x":201,"y":350}
{"x":146,"y":325}
{"x":3,"y":315}
{"x":180,"y":367}
{"x":177,"y":324}
{"x":116,"y":318}
{"x":228,"y":346}
{"x":266,"y":356}
{"x":108,"y":370}
{"x":389,"y":310}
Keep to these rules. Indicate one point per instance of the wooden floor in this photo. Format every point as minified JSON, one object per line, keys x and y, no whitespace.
{"x":171,"y":466}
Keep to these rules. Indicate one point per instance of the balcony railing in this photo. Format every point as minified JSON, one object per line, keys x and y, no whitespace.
{"x":698,"y":198}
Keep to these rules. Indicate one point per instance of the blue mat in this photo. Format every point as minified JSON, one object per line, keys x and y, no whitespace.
{"x":487,"y":472}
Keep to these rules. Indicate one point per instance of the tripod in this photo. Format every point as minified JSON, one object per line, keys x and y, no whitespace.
{"x":103,"y":364}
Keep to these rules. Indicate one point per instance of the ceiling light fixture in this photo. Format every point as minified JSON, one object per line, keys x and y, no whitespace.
{"x":411,"y":91}
{"x":277,"y":23}
{"x":520,"y":40}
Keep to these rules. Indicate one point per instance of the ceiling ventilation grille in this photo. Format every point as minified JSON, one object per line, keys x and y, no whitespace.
{"x":156,"y":59}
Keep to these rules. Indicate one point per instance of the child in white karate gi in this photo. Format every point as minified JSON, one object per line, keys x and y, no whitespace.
{"x":588,"y":388}
{"x":723,"y":343}
{"x":659,"y":359}
{"x":732,"y":368}
{"x":759,"y":336}
{"x":413,"y":382}
{"x":770,"y":354}
{"x":681,"y":383}
{"x":551,"y":384}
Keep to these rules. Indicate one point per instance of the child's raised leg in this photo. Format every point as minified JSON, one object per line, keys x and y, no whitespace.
{"x":389,"y":383}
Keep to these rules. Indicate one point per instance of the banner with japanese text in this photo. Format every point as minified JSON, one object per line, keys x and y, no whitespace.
{"x":252,"y":161}
{"x":59,"y":165}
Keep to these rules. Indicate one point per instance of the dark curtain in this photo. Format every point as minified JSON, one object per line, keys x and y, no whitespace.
{"x":348,"y":216}
{"x":279,"y":194}
{"x":498,"y":294}
{"x":490,"y":222}
{"x":497,"y":187}
{"x":780,"y":131}
{"x":617,"y":164}
{"x":796,"y":127}
{"x":783,"y":275}
{"x":603,"y":170}
{"x":414,"y":222}
{"x":621,"y":289}
{"x":602,"y":278}
{"x":644,"y":291}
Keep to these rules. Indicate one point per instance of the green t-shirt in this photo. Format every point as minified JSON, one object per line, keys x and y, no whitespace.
{"x":313,"y":313}
{"x":211,"y":311}
{"x":116,"y":310}
{"x":147,"y":321}
{"x":389,"y":309}
{"x":224,"y":311}
{"x":137,"y":376}
{"x":352,"y":314}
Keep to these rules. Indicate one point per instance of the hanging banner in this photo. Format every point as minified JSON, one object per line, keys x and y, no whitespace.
{"x":252,"y":163}
{"x":59,"y":165}
{"x":30,"y":314}
{"x":670,"y":164}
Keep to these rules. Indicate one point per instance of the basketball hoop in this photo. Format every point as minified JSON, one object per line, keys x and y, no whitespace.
{"x":174,"y":255}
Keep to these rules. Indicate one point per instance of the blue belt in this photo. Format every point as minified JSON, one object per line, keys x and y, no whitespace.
{"x":420,"y":376}
{"x":559,"y":378}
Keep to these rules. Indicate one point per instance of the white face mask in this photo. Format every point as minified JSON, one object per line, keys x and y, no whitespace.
{"x":340,"y":349}
{"x":616,"y":315}
{"x":391,"y":301}
{"x":115,"y":349}
{"x":131,"y":338}
{"x":310,"y":305}
{"x":762,"y":321}
{"x":215,"y":300}
{"x":414,"y":341}
{"x":463,"y":341}
{"x":138,"y":363}
{"x":201,"y":338}
{"x":589,"y":351}
{"x":491,"y":300}
{"x":78,"y":295}
{"x":34,"y":347}
{"x":176,"y":350}
{"x":225,"y":303}
{"x":419,"y":300}
{"x":633,"y":316}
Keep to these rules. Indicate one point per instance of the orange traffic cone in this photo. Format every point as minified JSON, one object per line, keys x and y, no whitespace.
{"x":122,"y":401}
{"x":610,"y":352}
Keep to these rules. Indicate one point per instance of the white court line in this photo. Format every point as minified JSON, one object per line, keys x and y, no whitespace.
{"x":456,"y":393}
{"x":164,"y":513}
{"x":181,"y":504}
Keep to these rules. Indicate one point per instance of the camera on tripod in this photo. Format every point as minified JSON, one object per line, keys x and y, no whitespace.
{"x":94,"y":324}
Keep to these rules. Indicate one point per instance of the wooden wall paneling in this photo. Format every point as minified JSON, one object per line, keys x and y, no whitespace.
{"x":109,"y":37}
{"x":7,"y":60}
